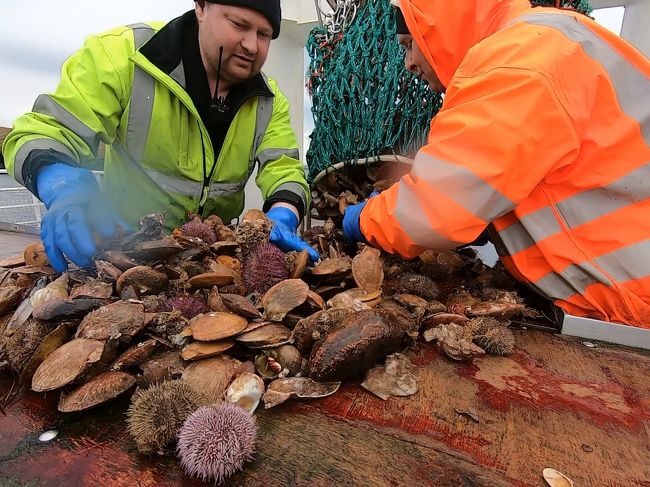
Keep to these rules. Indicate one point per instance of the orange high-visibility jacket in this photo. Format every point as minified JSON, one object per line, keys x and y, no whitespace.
{"x":545,"y":133}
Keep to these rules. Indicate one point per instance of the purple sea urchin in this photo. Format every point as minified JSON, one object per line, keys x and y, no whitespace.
{"x":216,"y":441}
{"x":189,"y":306}
{"x":196,"y":228}
{"x":157,"y":413}
{"x":265,"y":267}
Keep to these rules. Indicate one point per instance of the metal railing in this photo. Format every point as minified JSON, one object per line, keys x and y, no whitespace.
{"x":20,"y":211}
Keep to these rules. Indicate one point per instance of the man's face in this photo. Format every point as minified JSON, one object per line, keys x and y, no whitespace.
{"x":245,"y":35}
{"x":416,"y":63}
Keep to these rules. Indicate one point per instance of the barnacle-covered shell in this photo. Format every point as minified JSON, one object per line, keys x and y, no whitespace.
{"x":107,"y":271}
{"x":120,"y":320}
{"x":93,"y":288}
{"x":23,"y":342}
{"x":367,"y":269}
{"x":453,"y":342}
{"x":314,"y":327}
{"x":216,"y":326}
{"x":245,"y":391}
{"x":281,"y":390}
{"x":53,"y":340}
{"x":283,"y":297}
{"x":252,"y":233}
{"x":161,"y":367}
{"x":100,"y":389}
{"x":67,"y":363}
{"x":501,"y":310}
{"x":355,"y":345}
{"x":10,"y":296}
{"x":143,"y":279}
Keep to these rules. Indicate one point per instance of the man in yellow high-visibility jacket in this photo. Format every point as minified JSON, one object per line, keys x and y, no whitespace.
{"x":185,"y":113}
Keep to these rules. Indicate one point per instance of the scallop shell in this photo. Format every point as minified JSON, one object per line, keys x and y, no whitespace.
{"x":201,"y":350}
{"x":283,"y":297}
{"x":281,"y":390}
{"x":100,"y":389}
{"x":216,"y":326}
{"x":245,"y":391}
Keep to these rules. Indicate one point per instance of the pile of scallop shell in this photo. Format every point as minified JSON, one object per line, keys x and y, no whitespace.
{"x":233,"y":318}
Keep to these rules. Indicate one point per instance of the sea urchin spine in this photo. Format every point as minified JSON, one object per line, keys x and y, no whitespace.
{"x":216,"y":441}
{"x":265,"y":267}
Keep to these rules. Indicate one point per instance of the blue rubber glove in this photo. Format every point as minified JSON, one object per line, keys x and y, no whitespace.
{"x":77,"y":209}
{"x":283,"y":232}
{"x":351,"y":221}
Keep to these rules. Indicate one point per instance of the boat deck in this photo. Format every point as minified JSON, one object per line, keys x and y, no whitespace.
{"x":553,"y":403}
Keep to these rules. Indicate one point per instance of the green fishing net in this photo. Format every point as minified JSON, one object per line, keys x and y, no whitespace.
{"x":364,"y":102}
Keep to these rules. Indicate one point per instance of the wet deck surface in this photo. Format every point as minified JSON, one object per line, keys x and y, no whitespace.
{"x":554,"y":403}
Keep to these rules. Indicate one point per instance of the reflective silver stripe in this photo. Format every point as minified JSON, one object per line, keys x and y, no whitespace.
{"x":268,"y":155}
{"x":178,"y":74}
{"x":35,"y":144}
{"x":629,"y":263}
{"x":46,"y":105}
{"x":530,"y":229}
{"x":411,"y":218}
{"x":142,"y":99}
{"x":294,"y":188}
{"x":140,"y":113}
{"x":141,"y":33}
{"x":462,"y":186}
{"x":262,"y":121}
{"x":630,"y":84}
{"x":219,"y":190}
{"x":575,"y":279}
{"x":595,"y":203}
{"x":193,"y":188}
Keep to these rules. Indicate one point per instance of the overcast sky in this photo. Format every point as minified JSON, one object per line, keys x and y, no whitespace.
{"x":37,"y":36}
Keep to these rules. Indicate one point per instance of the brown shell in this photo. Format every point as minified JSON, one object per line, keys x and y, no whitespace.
{"x":288,"y":359}
{"x":314,"y":327}
{"x":240,"y":305}
{"x":347,"y":300}
{"x":224,"y":248}
{"x":93,"y":288}
{"x":216,"y":326}
{"x":444,"y":319}
{"x":270,"y":335}
{"x":160,"y":367}
{"x":355,"y":345}
{"x":299,"y":265}
{"x":230,"y":262}
{"x":280,"y":390}
{"x":452,"y":341}
{"x":215,"y":301}
{"x":53,"y":340}
{"x":13,"y":261}
{"x":201,"y":350}
{"x":336,"y":266}
{"x":119,"y":259}
{"x":121,"y":320}
{"x":368,"y":269}
{"x":254,"y":325}
{"x":143,"y":279}
{"x":34,"y":255}
{"x":107,"y":271}
{"x":209,"y":279}
{"x":254,"y":214}
{"x":67,"y":363}
{"x":211,"y":376}
{"x":10,"y":296}
{"x":100,"y":389}
{"x":501,"y":310}
{"x":155,"y":249}
{"x":315,"y":300}
{"x":283,"y":297}
{"x":135,"y":355}
{"x":67,"y":309}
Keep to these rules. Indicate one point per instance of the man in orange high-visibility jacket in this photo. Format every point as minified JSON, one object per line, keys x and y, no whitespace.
{"x":544,"y":136}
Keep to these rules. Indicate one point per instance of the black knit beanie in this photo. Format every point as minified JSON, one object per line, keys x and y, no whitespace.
{"x":400,"y":23}
{"x":268,"y":8}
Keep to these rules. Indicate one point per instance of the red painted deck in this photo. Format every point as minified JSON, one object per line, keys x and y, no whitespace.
{"x":554,"y":403}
